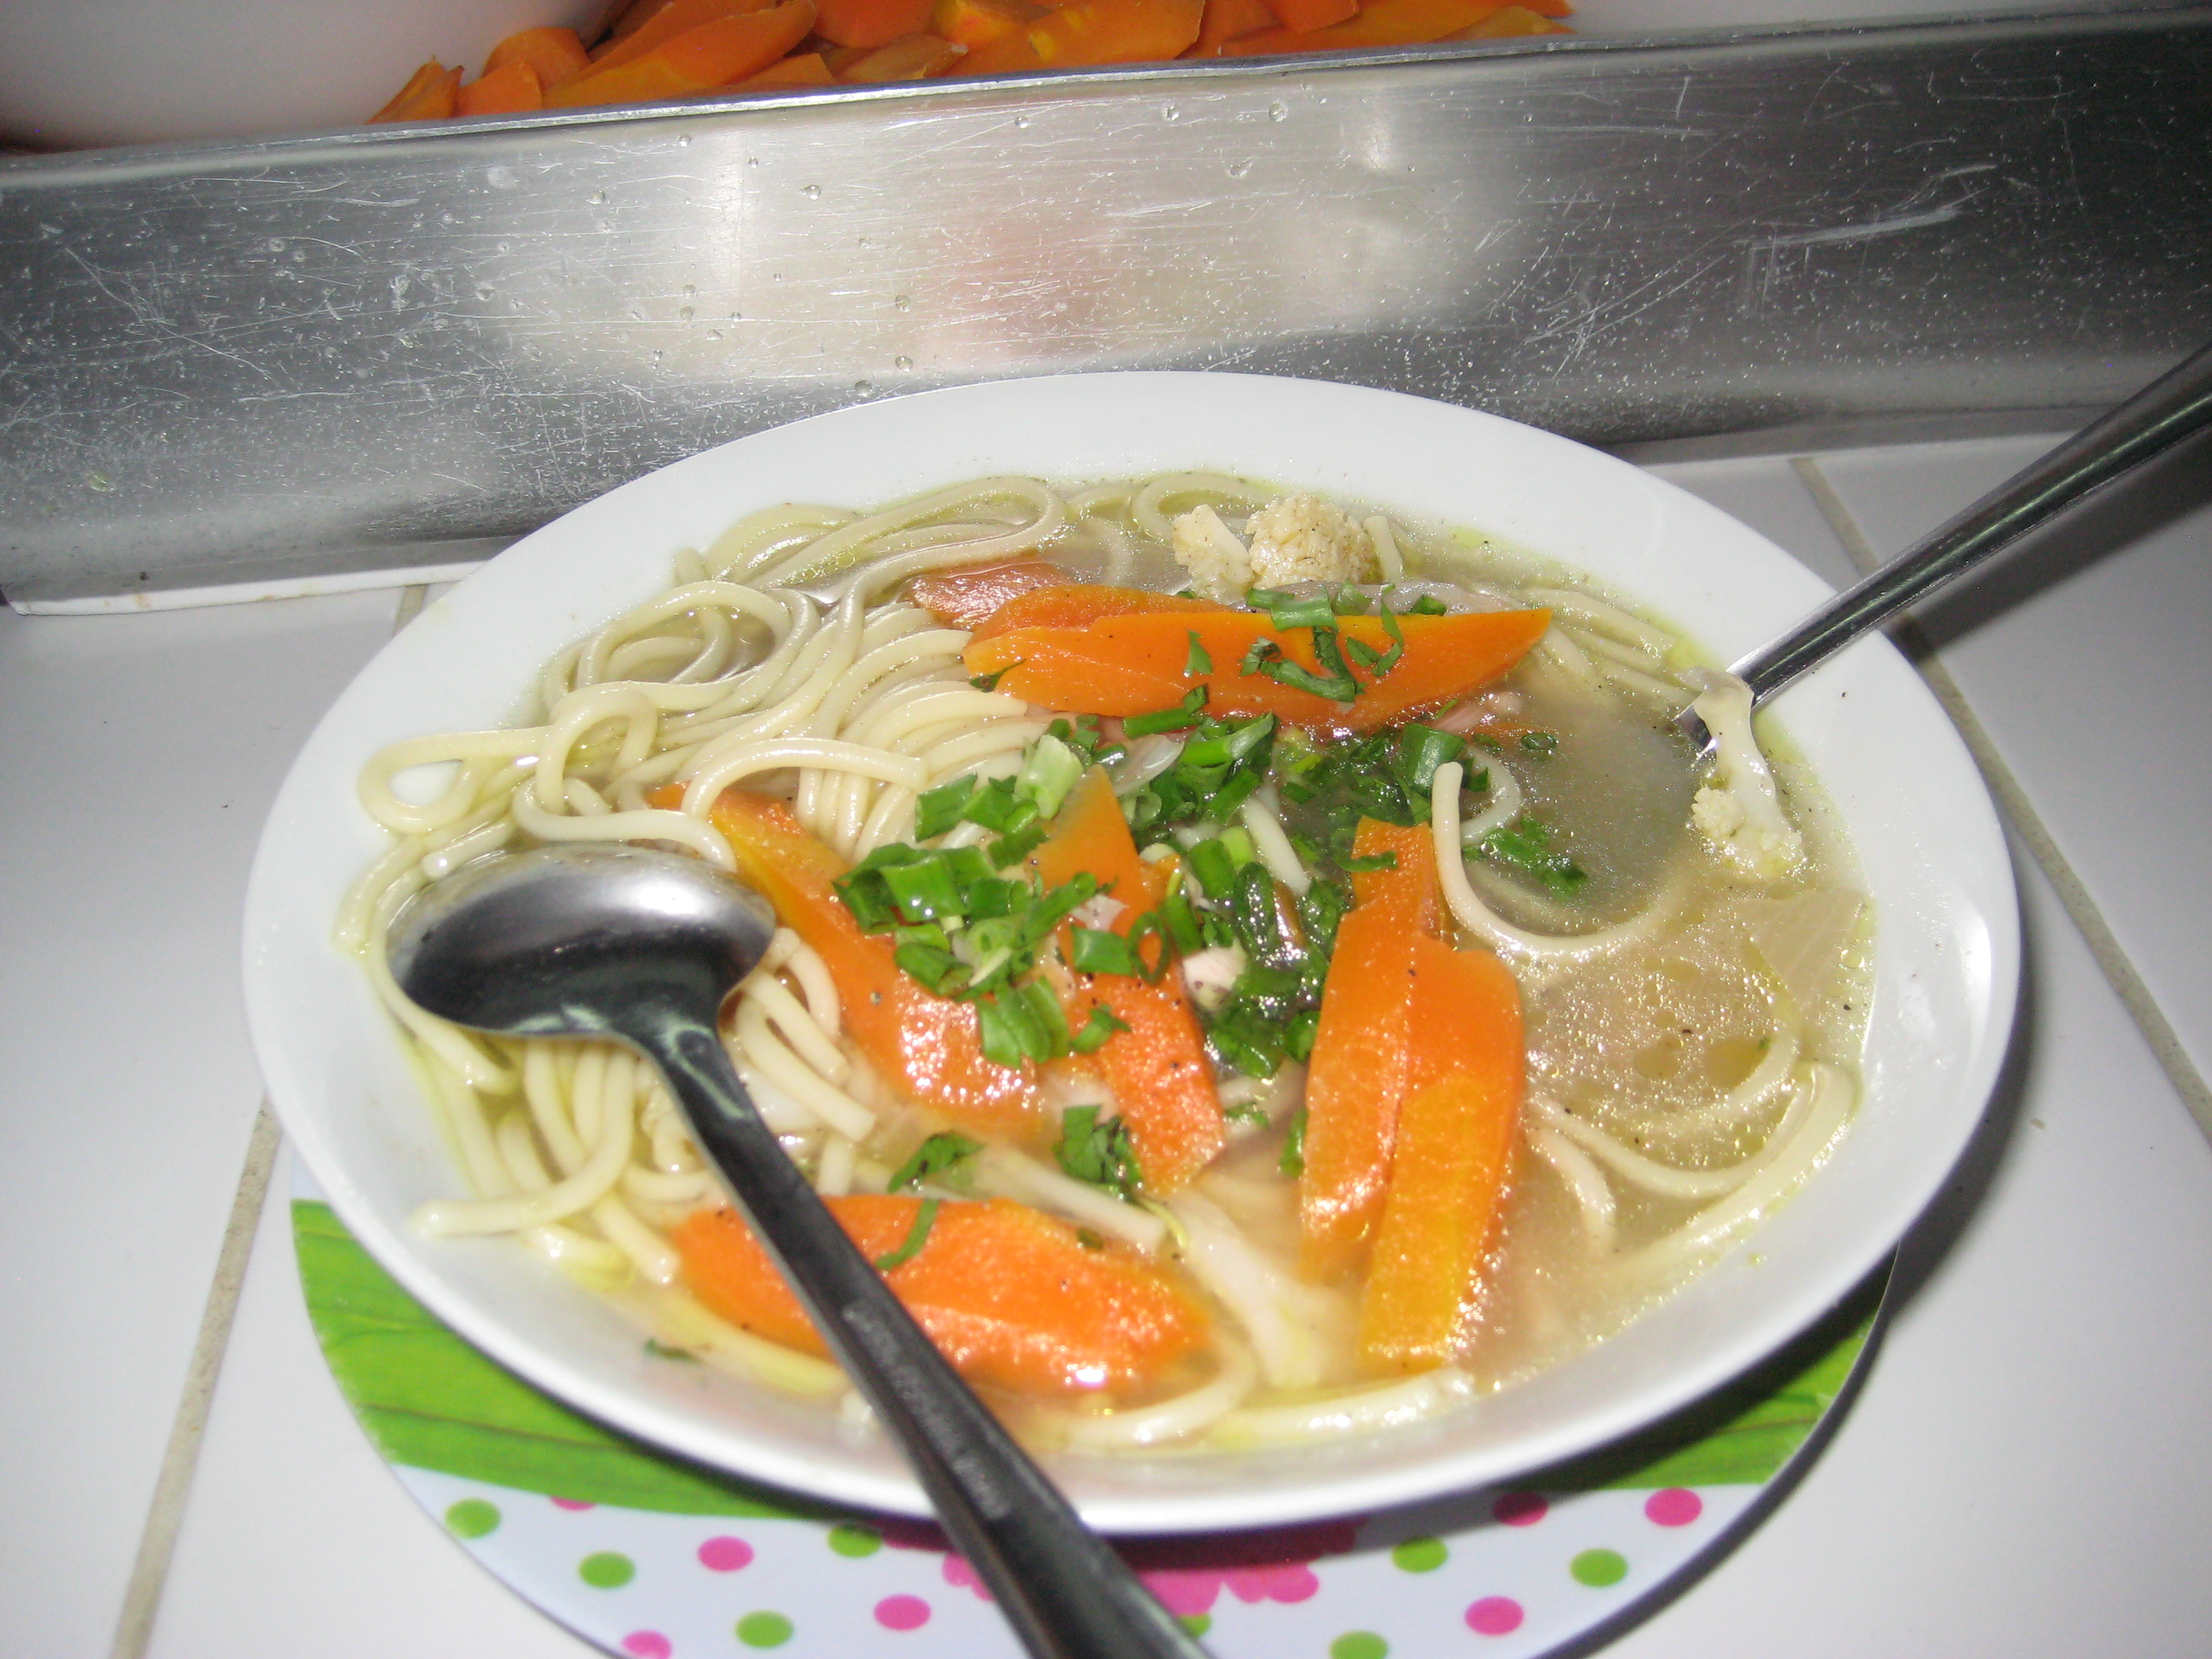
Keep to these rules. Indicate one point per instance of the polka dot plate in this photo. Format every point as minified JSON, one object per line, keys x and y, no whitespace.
{"x":655,"y":1558}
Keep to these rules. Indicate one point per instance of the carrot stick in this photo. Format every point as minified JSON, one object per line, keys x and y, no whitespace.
{"x":677,"y":18}
{"x":1363,"y":1054}
{"x":698,"y":60}
{"x":1453,"y":1161}
{"x":1077,"y":604}
{"x":801,"y":69}
{"x":931,"y":1047}
{"x":1304,"y":15}
{"x":965,"y":598}
{"x":910,"y":58}
{"x":871,"y":22}
{"x":974,"y":23}
{"x":429,"y":95}
{"x":1013,"y":1298}
{"x":1379,"y":23}
{"x":1157,"y":1070}
{"x":1133,"y":664}
{"x":1092,"y":32}
{"x":554,"y":53}
{"x":1225,"y":20}
{"x":507,"y":90}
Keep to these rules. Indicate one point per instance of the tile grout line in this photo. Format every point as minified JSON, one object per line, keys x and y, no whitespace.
{"x":2112,"y":957}
{"x":165,"y":1512}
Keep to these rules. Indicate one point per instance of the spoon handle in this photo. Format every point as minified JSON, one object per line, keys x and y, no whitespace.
{"x":1064,"y":1590}
{"x":2163,"y":413}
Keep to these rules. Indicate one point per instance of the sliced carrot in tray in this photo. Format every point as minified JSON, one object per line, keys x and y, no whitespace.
{"x":429,"y":95}
{"x":1379,"y":23}
{"x":554,"y":53}
{"x":699,"y":59}
{"x":1013,"y":1298}
{"x":1077,"y":604}
{"x":930,"y":1046}
{"x":1133,"y":663}
{"x":1157,"y":1070}
{"x":1453,"y":1163}
{"x":1092,"y":32}
{"x":1363,"y":1055}
{"x":871,"y":22}
{"x":511,"y":88}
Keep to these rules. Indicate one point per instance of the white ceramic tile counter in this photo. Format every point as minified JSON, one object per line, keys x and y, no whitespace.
{"x":2025,"y":1473}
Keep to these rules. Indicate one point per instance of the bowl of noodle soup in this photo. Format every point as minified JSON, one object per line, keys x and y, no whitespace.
{"x":1715,"y":1140}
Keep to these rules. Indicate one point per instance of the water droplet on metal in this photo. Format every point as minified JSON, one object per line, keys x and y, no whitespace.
{"x":1278,"y":111}
{"x":683,"y":313}
{"x":275,"y":245}
{"x":900,"y":302}
{"x":811,"y":193}
{"x":1170,"y":112}
{"x":690,"y":288}
{"x":1021,"y":120}
{"x":657,"y":356}
{"x":683,"y":141}
{"x":714,"y":333}
{"x":1238,"y":169}
{"x":864,"y":388}
{"x":902,"y":362}
{"x":598,"y":198}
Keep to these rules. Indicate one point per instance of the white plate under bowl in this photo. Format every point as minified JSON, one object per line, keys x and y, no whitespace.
{"x":1926,"y":836}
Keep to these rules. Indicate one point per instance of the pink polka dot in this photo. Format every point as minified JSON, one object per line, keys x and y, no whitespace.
{"x":1494,"y":1615}
{"x":570,"y":1504}
{"x":1520,"y":1508}
{"x":646,"y":1644}
{"x":1677,"y":1506}
{"x":902,"y":1612}
{"x":725,"y":1554}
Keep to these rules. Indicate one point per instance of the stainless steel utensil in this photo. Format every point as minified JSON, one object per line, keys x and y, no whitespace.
{"x":595,"y":940}
{"x":2169,"y":409}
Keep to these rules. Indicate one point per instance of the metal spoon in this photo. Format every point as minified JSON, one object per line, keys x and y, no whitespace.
{"x":595,"y":940}
{"x":2158,"y":416}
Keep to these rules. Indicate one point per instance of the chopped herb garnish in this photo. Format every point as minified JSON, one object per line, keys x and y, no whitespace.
{"x":1215,"y":865}
{"x":1089,"y":1240}
{"x":1102,"y":1024}
{"x":1097,"y":951}
{"x":917,"y":1236}
{"x":941,"y":808}
{"x":1097,"y":1152}
{"x":1200,"y":661}
{"x":1526,"y":845}
{"x":1427,"y":605}
{"x":1182,"y":716}
{"x":936,"y":1158}
{"x":1546,"y":743}
{"x":661,"y":1349}
{"x":990,"y":682}
{"x":1286,"y":610}
{"x":1010,"y":849}
{"x":1247,"y":1111}
{"x":1292,"y":1161}
{"x":1374,"y":861}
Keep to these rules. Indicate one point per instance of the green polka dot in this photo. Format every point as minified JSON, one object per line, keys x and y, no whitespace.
{"x":1598,"y":1568}
{"x":763,"y":1630}
{"x":473,"y":1518}
{"x":1420,"y":1555}
{"x":855,"y":1541}
{"x":1196,"y":1623}
{"x":606,"y":1570}
{"x":1358,"y":1645}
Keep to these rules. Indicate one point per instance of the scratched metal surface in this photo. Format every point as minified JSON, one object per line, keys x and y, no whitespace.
{"x":350,"y":352}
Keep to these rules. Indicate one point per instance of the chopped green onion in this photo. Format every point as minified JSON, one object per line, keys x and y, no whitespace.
{"x":917,"y":1236}
{"x":1198,"y":661}
{"x":1215,"y":865}
{"x":1546,"y":743}
{"x":1360,"y":867}
{"x":1098,"y":1153}
{"x":1427,"y":605}
{"x":1184,"y":713}
{"x":941,"y":808}
{"x":924,"y":890}
{"x":1292,"y":1161}
{"x":943,"y":973}
{"x":1419,"y":751}
{"x":938,"y":1156}
{"x":1526,"y":845}
{"x":1095,"y":951}
{"x":1286,"y":610}
{"x":1010,"y":849}
{"x":1048,"y":771}
{"x":1298,"y":1035}
{"x":1102,"y":1024}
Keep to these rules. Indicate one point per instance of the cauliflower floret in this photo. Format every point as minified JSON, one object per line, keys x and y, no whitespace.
{"x":1302,"y":539}
{"x":1739,"y":809}
{"x":1297,"y":539}
{"x":1220,"y":567}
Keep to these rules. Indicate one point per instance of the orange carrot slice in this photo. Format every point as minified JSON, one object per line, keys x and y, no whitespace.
{"x":507,"y":90}
{"x":1077,"y":604}
{"x":974,"y":23}
{"x":1013,"y":1298}
{"x":1363,"y":1054}
{"x":1506,"y":24}
{"x":1092,"y":32}
{"x":910,"y":58}
{"x":871,"y":22}
{"x":931,"y":1047}
{"x":1157,"y":1070}
{"x":554,"y":53}
{"x":429,"y":95}
{"x":801,"y":69}
{"x":1313,"y":14}
{"x":1379,"y":23}
{"x":1449,"y":1173}
{"x":965,"y":598}
{"x":677,"y":18}
{"x":635,"y":17}
{"x":698,"y":60}
{"x":1225,"y":20}
{"x":1133,"y":664}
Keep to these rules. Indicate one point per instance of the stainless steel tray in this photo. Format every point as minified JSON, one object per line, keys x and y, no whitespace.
{"x":394,"y":349}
